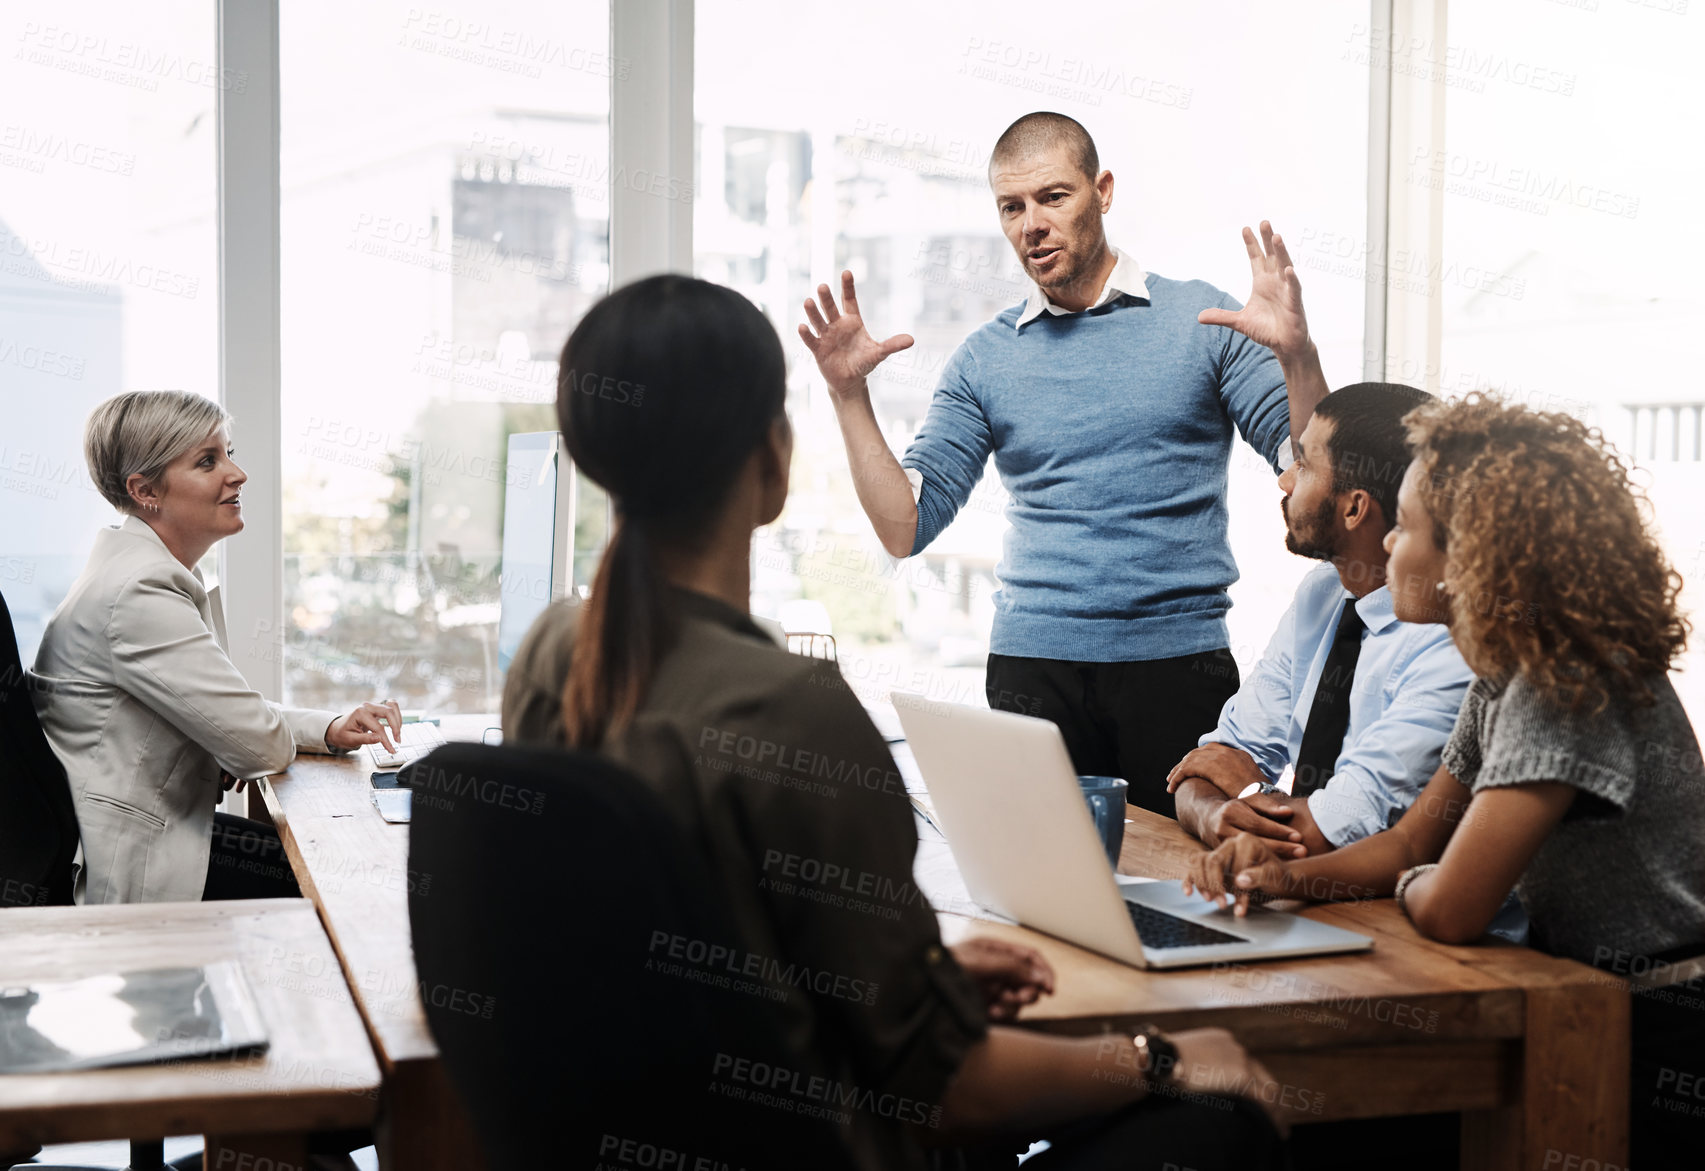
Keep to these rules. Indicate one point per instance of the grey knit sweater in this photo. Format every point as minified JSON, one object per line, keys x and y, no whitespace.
{"x":1623,"y":875}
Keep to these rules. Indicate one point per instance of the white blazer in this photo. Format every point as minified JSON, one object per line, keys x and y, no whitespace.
{"x":143,"y":706}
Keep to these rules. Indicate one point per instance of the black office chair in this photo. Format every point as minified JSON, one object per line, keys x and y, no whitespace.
{"x":547,"y":891}
{"x":38,"y":825}
{"x":38,"y":832}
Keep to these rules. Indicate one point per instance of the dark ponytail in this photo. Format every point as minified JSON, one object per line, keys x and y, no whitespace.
{"x":622,"y":631}
{"x":665,"y":388}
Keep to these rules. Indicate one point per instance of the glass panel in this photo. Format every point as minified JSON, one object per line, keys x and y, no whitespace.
{"x":1571,"y":248}
{"x":445,"y":223}
{"x":869,"y":152}
{"x":108,"y":274}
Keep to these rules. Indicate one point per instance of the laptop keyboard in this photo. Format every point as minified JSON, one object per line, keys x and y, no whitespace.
{"x":1159,"y":929}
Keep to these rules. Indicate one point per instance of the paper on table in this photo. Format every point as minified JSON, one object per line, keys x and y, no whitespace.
{"x":922,"y":807}
{"x":395,"y":805}
{"x":939,"y":880}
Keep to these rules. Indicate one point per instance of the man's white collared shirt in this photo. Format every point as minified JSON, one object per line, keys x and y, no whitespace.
{"x":1127,"y":277}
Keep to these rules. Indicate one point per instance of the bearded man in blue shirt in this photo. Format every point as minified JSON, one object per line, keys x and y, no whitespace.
{"x":1354,"y":704}
{"x":1108,"y":400}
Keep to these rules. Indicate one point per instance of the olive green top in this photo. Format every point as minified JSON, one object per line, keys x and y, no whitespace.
{"x":771,"y":762}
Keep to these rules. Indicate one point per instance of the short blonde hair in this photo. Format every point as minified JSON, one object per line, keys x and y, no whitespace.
{"x":141,"y":432}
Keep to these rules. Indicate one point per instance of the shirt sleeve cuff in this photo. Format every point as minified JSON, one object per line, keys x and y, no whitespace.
{"x":1287,"y":457}
{"x":308,"y":729}
{"x":1341,"y":818}
{"x":1461,"y":762}
{"x":957,"y":1020}
{"x":1539,"y":766}
{"x":916,"y":479}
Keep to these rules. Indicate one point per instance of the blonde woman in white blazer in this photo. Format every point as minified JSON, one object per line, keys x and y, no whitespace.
{"x":133,"y":685}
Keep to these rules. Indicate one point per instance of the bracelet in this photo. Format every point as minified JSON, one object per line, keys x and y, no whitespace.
{"x":1408,"y":876}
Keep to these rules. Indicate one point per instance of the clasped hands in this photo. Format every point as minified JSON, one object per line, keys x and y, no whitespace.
{"x":1230,"y":771}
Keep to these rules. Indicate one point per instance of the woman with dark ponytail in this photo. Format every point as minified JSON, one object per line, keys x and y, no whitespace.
{"x":672,"y":397}
{"x":666,"y":430}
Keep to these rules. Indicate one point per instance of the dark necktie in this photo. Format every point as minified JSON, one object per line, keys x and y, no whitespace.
{"x":1329,"y":715}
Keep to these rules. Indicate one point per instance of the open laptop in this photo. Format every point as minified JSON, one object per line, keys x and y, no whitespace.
{"x":1009,"y":804}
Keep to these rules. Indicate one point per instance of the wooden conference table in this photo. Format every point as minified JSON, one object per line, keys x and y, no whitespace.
{"x":256,"y":1110}
{"x":354,"y":866}
{"x":1532,"y":1049}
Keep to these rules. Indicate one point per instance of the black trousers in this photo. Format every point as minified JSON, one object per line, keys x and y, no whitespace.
{"x":247,"y":862}
{"x":1667,"y":1112}
{"x":1130,"y":720}
{"x":1165,"y":1133}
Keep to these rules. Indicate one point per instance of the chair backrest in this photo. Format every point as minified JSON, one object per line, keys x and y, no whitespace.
{"x":579,"y":974}
{"x":38,"y":822}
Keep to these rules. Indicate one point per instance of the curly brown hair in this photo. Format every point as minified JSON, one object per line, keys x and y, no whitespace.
{"x":1553,"y":571}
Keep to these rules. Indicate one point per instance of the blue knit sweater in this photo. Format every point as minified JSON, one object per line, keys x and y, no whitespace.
{"x":1111,"y":430}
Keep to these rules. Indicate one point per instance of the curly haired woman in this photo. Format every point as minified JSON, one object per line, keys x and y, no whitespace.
{"x":1573,"y":775}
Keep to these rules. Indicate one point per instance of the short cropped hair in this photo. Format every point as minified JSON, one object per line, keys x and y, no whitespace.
{"x":1369,"y":446}
{"x":141,"y":432}
{"x":1041,"y":132}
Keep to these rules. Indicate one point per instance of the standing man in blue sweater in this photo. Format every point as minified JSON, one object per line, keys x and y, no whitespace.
{"x":1108,"y":401}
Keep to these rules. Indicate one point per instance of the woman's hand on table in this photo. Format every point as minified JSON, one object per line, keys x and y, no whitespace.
{"x":1010,"y":975}
{"x":371,"y":723}
{"x":1238,"y":868}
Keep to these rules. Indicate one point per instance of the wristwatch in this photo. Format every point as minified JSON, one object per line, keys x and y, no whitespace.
{"x":1255,"y":787}
{"x":1157,"y":1056}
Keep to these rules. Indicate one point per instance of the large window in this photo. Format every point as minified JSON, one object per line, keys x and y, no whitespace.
{"x":445,"y":177}
{"x":446,"y":180}
{"x":1567,"y":168}
{"x":107,"y":257}
{"x":826,"y":143}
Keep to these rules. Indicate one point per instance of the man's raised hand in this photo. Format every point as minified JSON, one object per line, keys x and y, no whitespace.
{"x":1273,"y":315}
{"x":837,"y":338}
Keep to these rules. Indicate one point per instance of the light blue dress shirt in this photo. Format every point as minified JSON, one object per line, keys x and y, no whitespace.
{"x":1409,"y":683}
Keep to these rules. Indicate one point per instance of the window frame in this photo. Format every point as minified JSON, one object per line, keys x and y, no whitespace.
{"x":651,"y":138}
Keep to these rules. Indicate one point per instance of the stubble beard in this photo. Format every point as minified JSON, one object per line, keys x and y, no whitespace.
{"x":1309,"y":544}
